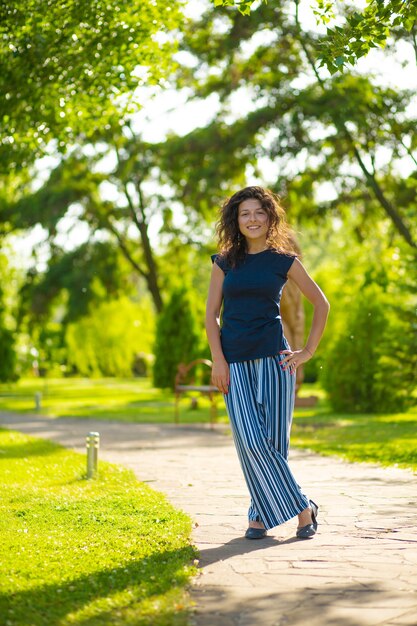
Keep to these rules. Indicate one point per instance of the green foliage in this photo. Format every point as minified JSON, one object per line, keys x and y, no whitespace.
{"x":361,"y":32}
{"x":76,"y":182}
{"x":365,"y":30}
{"x":112,"y":550}
{"x":48,"y":351}
{"x":346,"y":265}
{"x":85,"y":276}
{"x":243,"y":6}
{"x":74,"y":284}
{"x":107,"y":341}
{"x":64,"y":65}
{"x":341,"y":126}
{"x":7,"y":355}
{"x":369,"y":369}
{"x":177,"y":337}
{"x":7,"y":346}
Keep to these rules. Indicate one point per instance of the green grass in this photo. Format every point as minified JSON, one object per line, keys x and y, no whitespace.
{"x":388,"y":439}
{"x":130,"y":400}
{"x":77,"y":551}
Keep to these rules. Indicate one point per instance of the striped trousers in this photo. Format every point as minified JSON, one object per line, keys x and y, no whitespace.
{"x":260,"y":404}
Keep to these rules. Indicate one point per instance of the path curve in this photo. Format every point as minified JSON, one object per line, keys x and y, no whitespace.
{"x":360,"y":570}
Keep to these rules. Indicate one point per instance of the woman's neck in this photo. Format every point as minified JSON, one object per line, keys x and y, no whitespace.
{"x":255,"y":248}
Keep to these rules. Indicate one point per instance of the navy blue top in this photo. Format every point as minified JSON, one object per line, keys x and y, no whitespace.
{"x":251,"y":325}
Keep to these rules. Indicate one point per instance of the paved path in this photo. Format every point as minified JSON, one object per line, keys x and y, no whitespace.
{"x":360,"y":570}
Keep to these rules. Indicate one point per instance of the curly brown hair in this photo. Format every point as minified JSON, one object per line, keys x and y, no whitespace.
{"x":232,"y":244}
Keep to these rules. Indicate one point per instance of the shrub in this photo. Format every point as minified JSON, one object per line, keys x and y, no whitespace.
{"x":105,"y":342}
{"x":7,"y":356}
{"x":142,"y":364}
{"x":7,"y":348}
{"x":369,"y":368}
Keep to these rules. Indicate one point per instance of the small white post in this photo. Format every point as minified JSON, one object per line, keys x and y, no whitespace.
{"x":92,"y":445}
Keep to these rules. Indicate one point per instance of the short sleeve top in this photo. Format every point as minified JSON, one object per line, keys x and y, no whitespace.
{"x":251,"y":325}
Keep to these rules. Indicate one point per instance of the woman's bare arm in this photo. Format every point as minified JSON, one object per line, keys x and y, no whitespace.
{"x":220,"y":371}
{"x":314,"y":294}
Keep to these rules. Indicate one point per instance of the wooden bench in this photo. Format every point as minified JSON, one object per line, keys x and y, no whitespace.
{"x":185,"y":383}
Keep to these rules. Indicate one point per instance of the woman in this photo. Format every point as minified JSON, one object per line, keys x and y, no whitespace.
{"x":253,"y":364}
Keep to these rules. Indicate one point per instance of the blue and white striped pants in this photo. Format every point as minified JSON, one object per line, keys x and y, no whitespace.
{"x":260,"y":404}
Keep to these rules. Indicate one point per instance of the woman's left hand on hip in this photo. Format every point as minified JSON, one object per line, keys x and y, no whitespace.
{"x":293,"y":359}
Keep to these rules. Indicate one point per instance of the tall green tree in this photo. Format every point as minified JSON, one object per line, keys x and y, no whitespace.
{"x":126,"y":221}
{"x":75,"y":281}
{"x":315,"y":132}
{"x":7,"y":346}
{"x":72,"y":286}
{"x":8,"y":356}
{"x":64,"y":65}
{"x":140,"y":197}
{"x":177,"y":337}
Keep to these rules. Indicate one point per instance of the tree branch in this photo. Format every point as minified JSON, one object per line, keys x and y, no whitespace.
{"x":142,"y":226}
{"x":369,"y":176}
{"x":408,"y":150}
{"x":125,"y":250}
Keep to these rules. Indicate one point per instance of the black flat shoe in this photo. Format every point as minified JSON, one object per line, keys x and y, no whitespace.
{"x":306,"y":532}
{"x":310,"y":529}
{"x":255,"y":533}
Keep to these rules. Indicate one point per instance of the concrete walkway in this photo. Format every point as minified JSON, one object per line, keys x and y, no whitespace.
{"x":359,"y":570}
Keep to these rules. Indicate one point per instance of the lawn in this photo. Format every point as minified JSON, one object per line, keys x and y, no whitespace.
{"x":387,"y":439}
{"x":130,"y":400}
{"x":76,"y":551}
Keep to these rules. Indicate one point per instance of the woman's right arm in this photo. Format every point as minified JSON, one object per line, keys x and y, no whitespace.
{"x":220,"y":371}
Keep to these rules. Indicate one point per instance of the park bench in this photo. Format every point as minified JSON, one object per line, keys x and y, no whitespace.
{"x":185,"y":382}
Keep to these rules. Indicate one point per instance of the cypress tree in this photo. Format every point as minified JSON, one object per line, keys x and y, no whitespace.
{"x":177,"y":337}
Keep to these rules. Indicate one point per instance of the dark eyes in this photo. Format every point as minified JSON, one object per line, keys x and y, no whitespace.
{"x":245,"y":213}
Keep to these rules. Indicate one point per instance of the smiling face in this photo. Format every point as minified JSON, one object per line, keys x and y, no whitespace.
{"x":253,"y":221}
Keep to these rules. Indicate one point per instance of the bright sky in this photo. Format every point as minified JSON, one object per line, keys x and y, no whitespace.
{"x":168,"y":110}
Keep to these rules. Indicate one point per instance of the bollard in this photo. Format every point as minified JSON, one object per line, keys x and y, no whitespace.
{"x":38,"y":400}
{"x":92,"y":444}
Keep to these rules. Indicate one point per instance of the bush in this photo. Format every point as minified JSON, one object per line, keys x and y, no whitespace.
{"x":142,"y":364}
{"x":106,"y":342}
{"x":177,"y":338}
{"x":369,"y":368}
{"x":7,"y":356}
{"x":7,"y":347}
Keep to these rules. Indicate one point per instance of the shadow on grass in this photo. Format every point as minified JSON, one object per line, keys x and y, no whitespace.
{"x":27,"y":449}
{"x":144,"y":580}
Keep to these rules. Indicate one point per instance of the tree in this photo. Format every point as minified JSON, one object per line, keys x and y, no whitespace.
{"x":7,"y":348}
{"x":347,"y":132}
{"x":73,"y":284}
{"x":177,"y":337}
{"x":64,"y":65}
{"x":316,"y":132}
{"x":76,"y":280}
{"x":361,"y":31}
{"x":74,"y":182}
{"x":106,"y":341}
